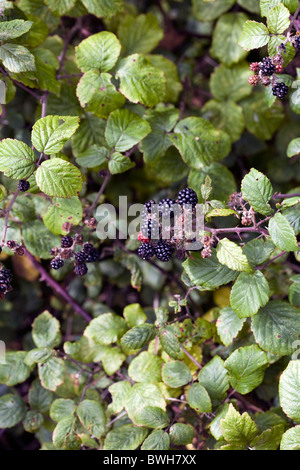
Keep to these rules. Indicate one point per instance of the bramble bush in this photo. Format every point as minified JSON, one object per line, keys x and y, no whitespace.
{"x":145,"y":342}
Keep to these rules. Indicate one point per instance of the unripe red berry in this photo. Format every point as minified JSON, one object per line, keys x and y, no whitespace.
{"x":253,"y":80}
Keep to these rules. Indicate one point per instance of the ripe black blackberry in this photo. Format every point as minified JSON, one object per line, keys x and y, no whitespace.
{"x":150,"y":229}
{"x":80,"y":257}
{"x":148,"y":205}
{"x":165,"y":206}
{"x":164,"y":250}
{"x":92,"y":256}
{"x":297,"y":42}
{"x":267,"y":67}
{"x":146,"y":251}
{"x":80,"y":269}
{"x":280,"y":90}
{"x":6,"y":275}
{"x":11,"y":244}
{"x":66,"y":241}
{"x":23,"y":186}
{"x":187,"y":196}
{"x":56,"y":263}
{"x":88,"y":247}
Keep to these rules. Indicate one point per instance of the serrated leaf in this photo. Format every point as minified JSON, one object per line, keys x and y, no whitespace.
{"x":139,"y":34}
{"x":38,"y":238}
{"x":269,"y":439}
{"x":13,"y":29}
{"x":176,"y":374}
{"x":227,"y":31}
{"x":151,"y":417}
{"x":51,"y":373}
{"x":62,"y":408}
{"x":278,"y":19}
{"x":17,"y":160}
{"x":58,"y":178}
{"x":33,"y":421}
{"x":293,"y":147}
{"x":157,"y":440}
{"x":208,"y":11}
{"x":231,"y":255}
{"x":258,"y":251}
{"x":119,"y":392}
{"x":249,"y":293}
{"x":230,"y":83}
{"x":261,"y":119}
{"x":46,"y":331}
{"x":105,"y":8}
{"x":119,"y":163}
{"x":98,"y":52}
{"x":291,"y":439}
{"x":49,"y":134}
{"x":228,"y":325}
{"x":214,"y":378}
{"x":238,"y":429}
{"x":39,"y":398}
{"x":138,"y":336}
{"x":16,"y":58}
{"x":276,"y":327}
{"x":38,"y":355}
{"x":92,"y":417}
{"x":198,"y":398}
{"x":12,"y":410}
{"x":282,"y":233}
{"x":289,"y":388}
{"x":181,"y":434}
{"x":257,"y":190}
{"x":63,"y":211}
{"x":14,"y":370}
{"x":140,"y":81}
{"x":125,"y":129}
{"x":145,"y":367}
{"x":106,"y":329}
{"x":254,"y":35}
{"x":169,"y":342}
{"x":142,"y":395}
{"x":134,"y":315}
{"x":112,"y":360}
{"x":64,"y":436}
{"x":246,"y":367}
{"x":127,"y":437}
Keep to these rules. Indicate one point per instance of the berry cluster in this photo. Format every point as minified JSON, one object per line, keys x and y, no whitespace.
{"x":23,"y":185}
{"x":151,"y":234}
{"x":5,"y":282}
{"x":264,"y":73}
{"x":296,"y":42}
{"x":16,"y":247}
{"x":87,"y":254}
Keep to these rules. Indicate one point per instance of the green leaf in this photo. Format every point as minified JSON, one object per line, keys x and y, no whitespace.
{"x":112,"y":360}
{"x":169,"y":342}
{"x":261,"y":119}
{"x":269,"y":439}
{"x":157,"y":440}
{"x":257,"y":190}
{"x":46,"y":331}
{"x":119,"y":163}
{"x":214,"y":378}
{"x":209,"y":11}
{"x":92,"y":157}
{"x":62,"y":408}
{"x":139,"y":34}
{"x":199,"y":399}
{"x":176,"y":374}
{"x":16,"y":58}
{"x":62,"y":212}
{"x":294,"y":291}
{"x":98,"y":52}
{"x":228,"y":325}
{"x":173,"y":83}
{"x":275,"y":42}
{"x":227,"y":31}
{"x":92,"y":417}
{"x":106,"y":329}
{"x":33,"y":421}
{"x":127,"y":437}
{"x":278,"y":19}
{"x":145,"y":367}
{"x":14,"y":370}
{"x":199,"y":142}
{"x":215,"y":427}
{"x":238,"y":429}
{"x":38,"y":238}
{"x":60,"y":7}
{"x":105,"y":8}
{"x":140,"y":81}
{"x":49,"y":134}
{"x":17,"y":160}
{"x":98,"y":95}
{"x":59,"y":178}
{"x":258,"y":251}
{"x":125,"y":129}
{"x":12,"y":410}
{"x":181,"y":434}
{"x":293,"y":147}
{"x":152,"y":417}
{"x":142,"y":395}
{"x":251,"y":5}
{"x":13,"y":29}
{"x":276,"y":327}
{"x":119,"y":392}
{"x":38,"y":355}
{"x":249,"y":293}
{"x":227,"y":118}
{"x":230,"y":83}
{"x":138,"y":336}
{"x":246,"y":367}
{"x":39,"y":398}
{"x":289,"y":388}
{"x":64,"y":436}
{"x":51,"y":373}
{"x":134,"y":315}
{"x":254,"y":35}
{"x":282,"y":233}
{"x":291,"y":439}
{"x":231,"y":255}
{"x":223,"y":182}
{"x":208,"y":272}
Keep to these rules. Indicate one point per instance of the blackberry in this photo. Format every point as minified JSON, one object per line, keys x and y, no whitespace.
{"x":81,"y":269}
{"x":66,"y":241}
{"x":88,"y":247}
{"x":148,"y":206}
{"x":23,"y":186}
{"x":165,"y":206}
{"x":4,"y":286}
{"x":267,"y":67}
{"x":56,"y":263}
{"x":280,"y":90}
{"x":150,"y":229}
{"x":297,"y":42}
{"x":6,"y":274}
{"x":146,"y":251}
{"x":92,"y":256}
{"x":80,"y":257}
{"x":164,"y":250}
{"x":11,"y":244}
{"x":187,"y":196}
